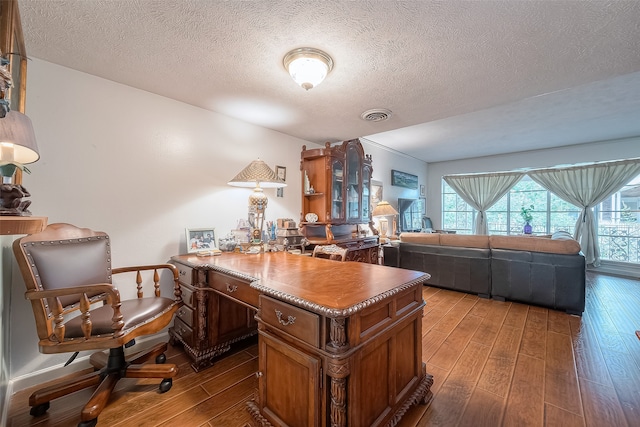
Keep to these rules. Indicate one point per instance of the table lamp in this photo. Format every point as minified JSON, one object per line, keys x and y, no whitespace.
{"x":258,"y":175}
{"x":382,"y":211}
{"x":17,"y":148}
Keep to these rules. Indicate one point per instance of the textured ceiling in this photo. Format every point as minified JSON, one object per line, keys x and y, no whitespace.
{"x":462,"y":78}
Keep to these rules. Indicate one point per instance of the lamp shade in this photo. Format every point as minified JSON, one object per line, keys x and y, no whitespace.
{"x":257,"y":174}
{"x":17,"y":139}
{"x":384,"y":209}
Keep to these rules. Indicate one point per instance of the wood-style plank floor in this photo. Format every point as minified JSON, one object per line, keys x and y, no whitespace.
{"x":494,"y":364}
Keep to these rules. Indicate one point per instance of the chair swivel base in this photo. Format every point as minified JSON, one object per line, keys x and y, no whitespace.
{"x":109,"y":369}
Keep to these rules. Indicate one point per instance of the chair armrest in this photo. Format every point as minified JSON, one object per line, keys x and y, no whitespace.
{"x":112,"y":298}
{"x":98,"y":288}
{"x":156,"y":278}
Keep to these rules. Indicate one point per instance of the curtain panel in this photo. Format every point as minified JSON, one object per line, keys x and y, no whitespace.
{"x":586,"y":186}
{"x":481,"y":191}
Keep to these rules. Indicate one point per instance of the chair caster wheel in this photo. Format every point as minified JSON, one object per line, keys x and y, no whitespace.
{"x":165,"y":385}
{"x":90,"y":423}
{"x":161,"y":358}
{"x":40,"y":409}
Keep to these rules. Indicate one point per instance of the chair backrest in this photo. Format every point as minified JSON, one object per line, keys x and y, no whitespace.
{"x":426,"y":223}
{"x":62,"y":256}
{"x":333,"y":251}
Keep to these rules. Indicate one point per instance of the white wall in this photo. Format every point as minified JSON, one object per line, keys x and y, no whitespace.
{"x":592,"y":152}
{"x":140,"y":167}
{"x":384,"y":160}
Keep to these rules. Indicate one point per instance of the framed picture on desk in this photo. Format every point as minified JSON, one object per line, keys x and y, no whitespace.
{"x":199,"y":239}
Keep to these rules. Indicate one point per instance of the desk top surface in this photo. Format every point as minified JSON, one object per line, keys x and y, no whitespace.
{"x":333,"y":288}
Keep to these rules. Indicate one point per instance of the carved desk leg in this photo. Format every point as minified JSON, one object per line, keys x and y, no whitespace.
{"x":338,"y":372}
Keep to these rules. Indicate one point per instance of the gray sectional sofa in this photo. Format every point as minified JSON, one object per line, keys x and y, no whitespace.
{"x":547,"y":271}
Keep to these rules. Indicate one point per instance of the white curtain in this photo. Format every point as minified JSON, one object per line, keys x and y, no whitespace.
{"x":482,"y":191}
{"x":585,"y":186}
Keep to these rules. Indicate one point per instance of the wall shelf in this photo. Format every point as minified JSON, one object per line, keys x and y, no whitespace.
{"x":14,"y":225}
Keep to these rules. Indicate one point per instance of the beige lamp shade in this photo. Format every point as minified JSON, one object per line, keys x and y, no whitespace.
{"x":384,"y":209}
{"x":17,"y":139}
{"x":381,"y":211}
{"x":257,"y":174}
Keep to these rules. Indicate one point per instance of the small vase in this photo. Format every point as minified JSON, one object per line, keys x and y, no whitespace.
{"x":527,"y":228}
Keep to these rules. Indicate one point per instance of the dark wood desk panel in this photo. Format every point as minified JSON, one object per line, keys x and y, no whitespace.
{"x":353,"y":329}
{"x":334,"y":286}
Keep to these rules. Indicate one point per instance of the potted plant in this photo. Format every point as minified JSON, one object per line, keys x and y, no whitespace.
{"x":527,"y":217}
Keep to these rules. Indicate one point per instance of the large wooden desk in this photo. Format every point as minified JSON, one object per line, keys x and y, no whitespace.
{"x":340,"y":343}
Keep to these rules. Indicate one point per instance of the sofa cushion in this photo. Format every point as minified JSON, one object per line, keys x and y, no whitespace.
{"x":562,"y":235}
{"x":535,"y":244}
{"x":423,"y":238}
{"x":465,"y":240}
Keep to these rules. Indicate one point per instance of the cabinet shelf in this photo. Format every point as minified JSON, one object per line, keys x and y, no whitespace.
{"x":341,"y":175}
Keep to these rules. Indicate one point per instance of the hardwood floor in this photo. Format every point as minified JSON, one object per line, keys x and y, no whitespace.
{"x":494,"y":364}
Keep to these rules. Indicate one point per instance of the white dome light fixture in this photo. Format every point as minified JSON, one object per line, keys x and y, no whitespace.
{"x":308,"y":66}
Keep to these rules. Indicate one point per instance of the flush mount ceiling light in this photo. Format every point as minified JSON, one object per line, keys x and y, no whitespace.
{"x":308,"y":66}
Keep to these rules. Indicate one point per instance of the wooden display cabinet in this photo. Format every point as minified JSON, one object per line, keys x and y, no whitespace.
{"x":341,"y":198}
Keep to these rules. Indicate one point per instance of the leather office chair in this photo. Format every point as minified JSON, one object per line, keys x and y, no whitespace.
{"x":334,"y":252}
{"x":66,"y":269}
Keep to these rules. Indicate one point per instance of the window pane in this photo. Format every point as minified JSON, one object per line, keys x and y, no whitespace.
{"x":618,"y":221}
{"x":617,"y":217}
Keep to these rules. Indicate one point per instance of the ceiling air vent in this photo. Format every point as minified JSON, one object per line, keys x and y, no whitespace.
{"x":376,"y":115}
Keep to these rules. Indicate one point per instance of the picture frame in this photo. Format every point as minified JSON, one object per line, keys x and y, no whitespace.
{"x":423,"y":191}
{"x":281,"y":172}
{"x":201,"y":239}
{"x":404,"y":179}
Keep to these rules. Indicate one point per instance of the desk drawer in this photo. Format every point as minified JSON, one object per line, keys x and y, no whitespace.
{"x":187,"y":296}
{"x":185,"y":274}
{"x":234,"y":288}
{"x":186,"y":315}
{"x":183,"y":331}
{"x":295,"y":321}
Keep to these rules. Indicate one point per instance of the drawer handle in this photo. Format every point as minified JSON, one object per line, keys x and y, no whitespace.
{"x":183,"y":273}
{"x":231,"y":289}
{"x":290,"y":319}
{"x":258,"y":374}
{"x":181,"y":312}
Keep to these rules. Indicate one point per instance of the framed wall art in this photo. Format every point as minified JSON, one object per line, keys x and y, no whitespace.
{"x":403,"y":179}
{"x":200,"y":239}
{"x":281,"y":172}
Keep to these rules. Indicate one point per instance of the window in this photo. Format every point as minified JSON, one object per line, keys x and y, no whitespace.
{"x":617,"y":217}
{"x":456,"y":213}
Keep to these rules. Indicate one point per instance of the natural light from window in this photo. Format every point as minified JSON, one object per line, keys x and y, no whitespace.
{"x":617,"y":217}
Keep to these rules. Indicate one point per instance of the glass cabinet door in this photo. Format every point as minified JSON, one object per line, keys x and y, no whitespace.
{"x":366,"y":199}
{"x":337,"y":195}
{"x":353,"y":184}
